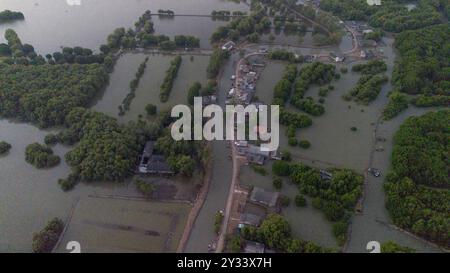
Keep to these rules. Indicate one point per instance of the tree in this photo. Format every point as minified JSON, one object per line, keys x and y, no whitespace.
{"x":4,"y":147}
{"x":45,"y":240}
{"x":281,"y":168}
{"x":151,"y":109}
{"x":41,"y":156}
{"x":300,"y":200}
{"x":277,"y":183}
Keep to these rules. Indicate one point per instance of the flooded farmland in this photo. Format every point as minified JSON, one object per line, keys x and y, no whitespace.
{"x":192,"y":69}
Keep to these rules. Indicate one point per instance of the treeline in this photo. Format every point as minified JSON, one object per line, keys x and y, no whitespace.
{"x":336,"y":196}
{"x":197,"y":90}
{"x":18,"y":53}
{"x":45,"y":240}
{"x":226,"y":14}
{"x":41,"y":156}
{"x":370,"y":83}
{"x":397,"y":103}
{"x":45,"y":94}
{"x":217,"y":59}
{"x":284,"y":55}
{"x":8,"y":16}
{"x":251,"y":26}
{"x":420,"y":164}
{"x":391,"y":16}
{"x":275,"y":233}
{"x":315,"y":73}
{"x":125,"y":106}
{"x":143,"y":37}
{"x":281,"y":94}
{"x":424,"y":65}
{"x":105,"y":150}
{"x":171,"y":74}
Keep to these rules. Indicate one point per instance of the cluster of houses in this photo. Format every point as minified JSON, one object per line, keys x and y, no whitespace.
{"x":243,"y":90}
{"x":254,"y":154}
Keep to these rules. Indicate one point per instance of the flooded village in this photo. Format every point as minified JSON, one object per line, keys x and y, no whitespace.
{"x":236,"y":185}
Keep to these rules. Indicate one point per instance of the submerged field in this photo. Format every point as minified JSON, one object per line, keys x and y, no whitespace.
{"x":117,"y":225}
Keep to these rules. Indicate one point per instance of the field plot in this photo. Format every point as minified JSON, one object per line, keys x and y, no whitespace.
{"x":119,"y":225}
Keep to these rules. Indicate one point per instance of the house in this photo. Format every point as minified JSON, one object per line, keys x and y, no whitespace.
{"x":254,"y":247}
{"x":228,"y":46}
{"x":265,"y":198}
{"x":153,"y":164}
{"x":249,"y":219}
{"x":325,"y":175}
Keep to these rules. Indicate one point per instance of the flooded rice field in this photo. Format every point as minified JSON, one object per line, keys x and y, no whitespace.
{"x":120,"y":225}
{"x":192,"y":69}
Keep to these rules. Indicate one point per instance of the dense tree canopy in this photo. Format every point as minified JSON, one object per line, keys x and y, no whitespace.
{"x":370,"y":83}
{"x":45,"y":240}
{"x":45,"y":94}
{"x":420,"y":163}
{"x":41,"y":156}
{"x":424,"y":65}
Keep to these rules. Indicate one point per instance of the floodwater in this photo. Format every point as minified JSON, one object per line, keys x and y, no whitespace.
{"x":50,"y":24}
{"x":192,"y":69}
{"x":30,"y":197}
{"x":202,"y":233}
{"x":334,"y":144}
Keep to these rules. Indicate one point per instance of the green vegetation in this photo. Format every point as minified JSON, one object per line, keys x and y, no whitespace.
{"x":4,"y":147}
{"x":216,"y":61}
{"x":142,"y":36}
{"x":171,"y":74}
{"x":284,"y":55}
{"x":182,"y":156}
{"x":8,"y":16}
{"x":292,"y":141}
{"x":417,"y":192}
{"x":151,"y":109}
{"x":125,"y":106}
{"x":45,"y":240}
{"x":391,"y":16}
{"x":18,"y":53}
{"x":424,"y":66}
{"x":392,"y":247}
{"x":51,"y":139}
{"x":336,"y":197}
{"x":397,"y":103}
{"x":194,"y":91}
{"x":145,"y":188}
{"x":315,"y":73}
{"x":277,"y":183}
{"x":70,"y":182}
{"x":275,"y":233}
{"x":45,"y":94}
{"x":254,"y":24}
{"x":281,"y":168}
{"x":259,"y":169}
{"x":305,"y":144}
{"x":234,"y":243}
{"x":41,"y":156}
{"x":106,"y":150}
{"x":370,"y":83}
{"x":282,"y":90}
{"x":300,"y":200}
{"x":218,"y":219}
